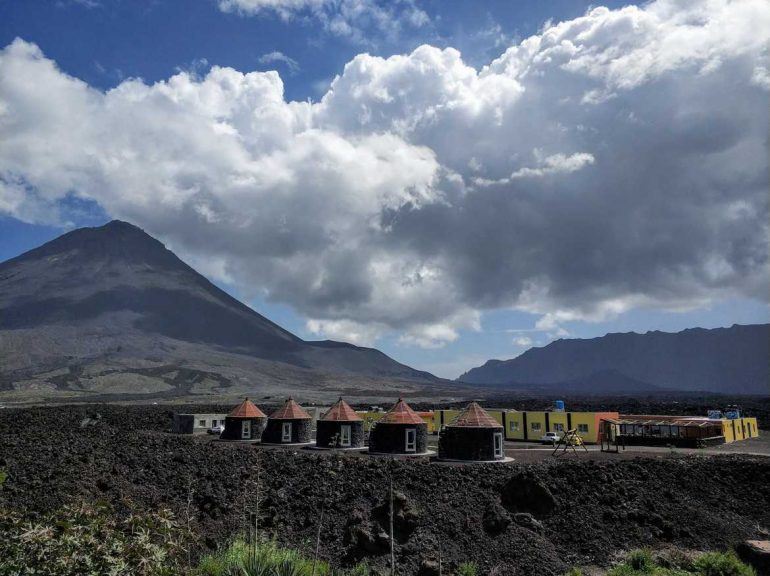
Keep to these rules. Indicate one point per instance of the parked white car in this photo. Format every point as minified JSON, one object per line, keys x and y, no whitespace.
{"x":550,"y":438}
{"x":218,"y":429}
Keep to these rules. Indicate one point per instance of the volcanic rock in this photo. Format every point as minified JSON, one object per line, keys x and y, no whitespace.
{"x":524,"y":493}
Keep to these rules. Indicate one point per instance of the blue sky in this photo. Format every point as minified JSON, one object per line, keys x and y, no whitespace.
{"x":494,"y":307}
{"x":105,"y":41}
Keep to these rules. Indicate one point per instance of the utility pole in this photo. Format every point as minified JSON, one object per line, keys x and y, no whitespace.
{"x":392,"y":544}
{"x":318,"y":536}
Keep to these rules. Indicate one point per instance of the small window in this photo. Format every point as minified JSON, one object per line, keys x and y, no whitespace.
{"x":202,"y":423}
{"x":498,"y":445}
{"x":536,"y":426}
{"x":514,"y":426}
{"x":411,"y":440}
{"x":345,"y":435}
{"x":558,"y":427}
{"x":582,"y":428}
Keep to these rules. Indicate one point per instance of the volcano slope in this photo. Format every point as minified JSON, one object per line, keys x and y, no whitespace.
{"x":509,"y":519}
{"x":111,"y":312}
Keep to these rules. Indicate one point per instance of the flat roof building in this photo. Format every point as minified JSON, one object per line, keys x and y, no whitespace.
{"x":196,"y":423}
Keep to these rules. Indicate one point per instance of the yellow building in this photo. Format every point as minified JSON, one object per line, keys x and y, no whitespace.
{"x":532,"y":425}
{"x":663,"y":427}
{"x":739,"y":429}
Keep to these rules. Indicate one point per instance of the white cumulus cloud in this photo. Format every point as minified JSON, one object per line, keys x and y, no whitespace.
{"x":593,"y":168}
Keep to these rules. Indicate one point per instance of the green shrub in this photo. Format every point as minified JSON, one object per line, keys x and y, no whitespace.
{"x":90,"y":540}
{"x":266,"y":559}
{"x":3,"y":477}
{"x":721,"y":564}
{"x":574,"y":572}
{"x":642,"y":563}
{"x":467,"y":569}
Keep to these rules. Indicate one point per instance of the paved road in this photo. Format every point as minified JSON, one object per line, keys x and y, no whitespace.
{"x":533,"y":452}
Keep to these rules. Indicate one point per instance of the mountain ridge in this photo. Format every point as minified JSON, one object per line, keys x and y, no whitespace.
{"x":732,"y":360}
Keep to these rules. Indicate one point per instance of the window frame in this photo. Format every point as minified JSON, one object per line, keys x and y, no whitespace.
{"x":410,"y":446}
{"x":286,"y":427}
{"x":346,"y":435}
{"x":497,"y":445}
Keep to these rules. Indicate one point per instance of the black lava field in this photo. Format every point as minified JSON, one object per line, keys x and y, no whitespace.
{"x":533,"y":520}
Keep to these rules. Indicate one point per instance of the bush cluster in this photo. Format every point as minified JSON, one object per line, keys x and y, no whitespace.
{"x":643,"y":563}
{"x":266,"y":558}
{"x":90,"y":540}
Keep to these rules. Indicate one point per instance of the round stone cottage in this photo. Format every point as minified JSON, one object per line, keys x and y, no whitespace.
{"x":399,"y":431}
{"x":340,"y":427}
{"x":245,"y":423}
{"x":474,"y":436}
{"x":290,"y":424}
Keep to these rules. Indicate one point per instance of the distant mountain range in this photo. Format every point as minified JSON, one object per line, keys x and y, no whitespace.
{"x":109,"y":313}
{"x":733,"y":360}
{"x":109,"y":310}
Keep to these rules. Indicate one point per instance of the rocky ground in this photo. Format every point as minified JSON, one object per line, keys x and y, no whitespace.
{"x":534,"y":519}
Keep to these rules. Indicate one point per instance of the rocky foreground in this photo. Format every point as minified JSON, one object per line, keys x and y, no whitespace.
{"x":524,"y":520}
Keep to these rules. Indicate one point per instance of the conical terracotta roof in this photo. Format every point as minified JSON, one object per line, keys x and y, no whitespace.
{"x":401,"y":413}
{"x":290,"y":411}
{"x":341,"y":412}
{"x":474,"y":416}
{"x":246,"y":409}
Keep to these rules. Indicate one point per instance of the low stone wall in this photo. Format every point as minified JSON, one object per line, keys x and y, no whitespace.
{"x":670,"y":441}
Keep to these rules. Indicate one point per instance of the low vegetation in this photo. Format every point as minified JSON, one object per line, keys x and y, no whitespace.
{"x":242,"y":558}
{"x":95,"y":540}
{"x":467,"y":569}
{"x":91,"y":540}
{"x":644,"y":563}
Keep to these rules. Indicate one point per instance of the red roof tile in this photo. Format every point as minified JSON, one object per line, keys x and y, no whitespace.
{"x":246,"y":409}
{"x":341,"y":412}
{"x":474,"y":416}
{"x":401,"y":413}
{"x":290,"y":411}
